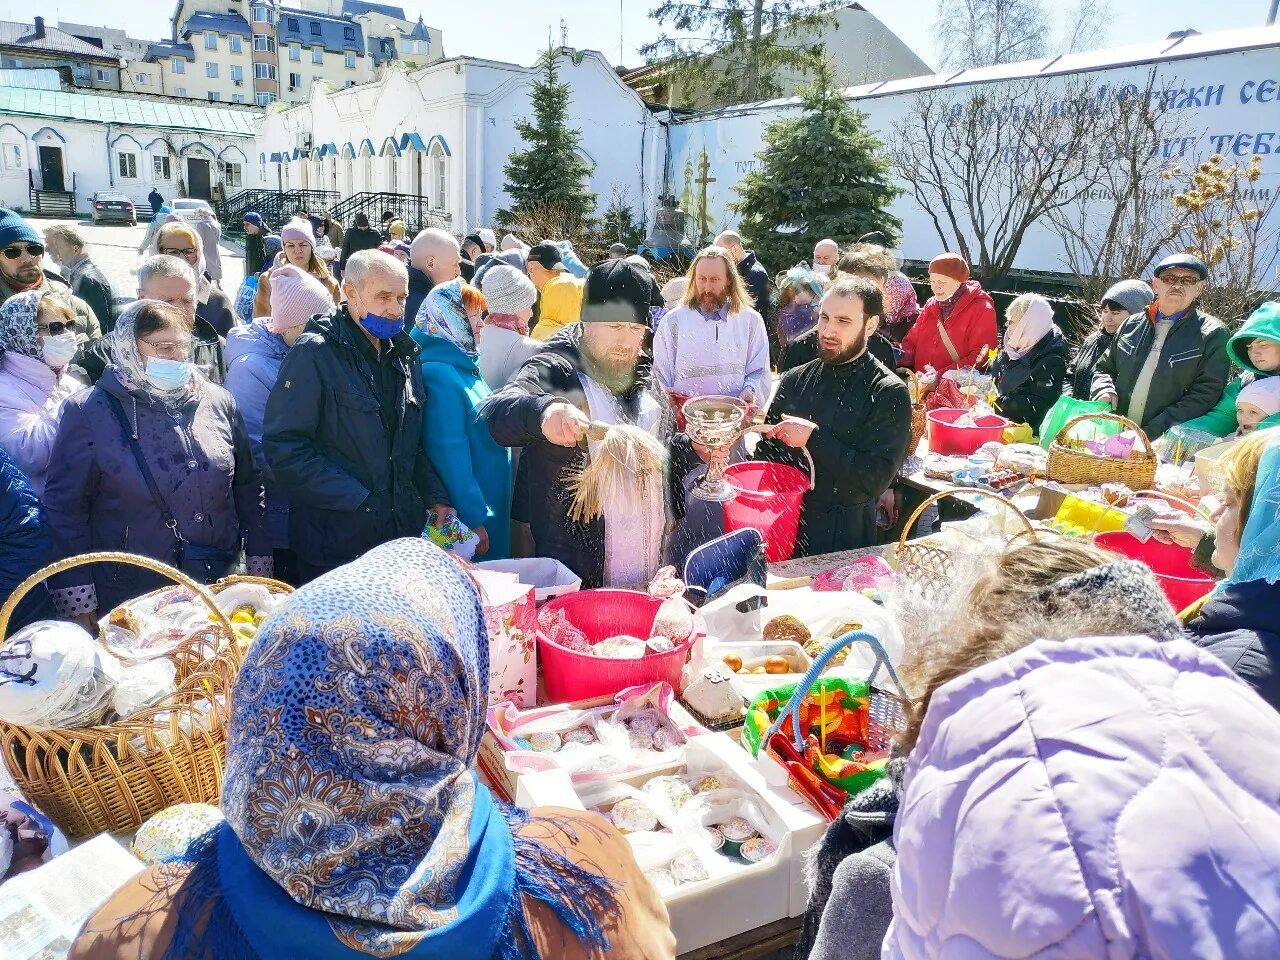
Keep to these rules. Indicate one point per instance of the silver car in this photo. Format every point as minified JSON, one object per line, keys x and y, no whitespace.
{"x":187,"y":207}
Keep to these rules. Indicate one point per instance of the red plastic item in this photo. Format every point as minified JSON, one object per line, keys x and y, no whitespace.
{"x":1182,"y":583}
{"x":770,"y":496}
{"x":568,"y":675}
{"x":678,"y":402}
{"x":946,"y":437}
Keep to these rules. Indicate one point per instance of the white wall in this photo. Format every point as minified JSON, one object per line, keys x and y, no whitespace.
{"x":471,"y":106}
{"x":1233,"y":122}
{"x":90,"y":150}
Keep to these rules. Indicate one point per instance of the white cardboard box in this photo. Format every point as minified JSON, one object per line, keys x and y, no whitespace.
{"x":736,"y":897}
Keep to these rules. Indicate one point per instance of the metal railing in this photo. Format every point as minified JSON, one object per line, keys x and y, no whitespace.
{"x":416,"y":212}
{"x":275,"y":206}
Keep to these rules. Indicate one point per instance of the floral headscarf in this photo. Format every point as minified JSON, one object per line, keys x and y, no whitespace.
{"x":128,"y":363}
{"x":443,"y":315}
{"x":355,"y":721}
{"x":18,"y":323}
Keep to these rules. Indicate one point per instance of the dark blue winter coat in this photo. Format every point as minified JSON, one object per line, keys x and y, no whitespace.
{"x":25,"y":544}
{"x":756,"y":277}
{"x":254,"y":356}
{"x":1241,"y":626}
{"x":353,"y":480}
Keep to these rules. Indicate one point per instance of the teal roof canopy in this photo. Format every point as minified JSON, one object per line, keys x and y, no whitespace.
{"x":126,"y":111}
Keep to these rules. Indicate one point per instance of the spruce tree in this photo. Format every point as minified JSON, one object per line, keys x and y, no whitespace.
{"x":549,"y":174}
{"x":821,"y":174}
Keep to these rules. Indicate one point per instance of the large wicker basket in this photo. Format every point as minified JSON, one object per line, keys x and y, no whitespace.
{"x":1067,"y":465}
{"x":930,"y":569}
{"x":113,"y":777}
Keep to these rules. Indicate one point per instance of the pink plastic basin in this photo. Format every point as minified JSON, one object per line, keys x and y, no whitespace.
{"x":568,"y":675}
{"x":1182,"y":583}
{"x":946,"y":437}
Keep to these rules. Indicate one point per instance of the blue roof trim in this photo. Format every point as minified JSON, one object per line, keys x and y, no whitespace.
{"x":298,"y":154}
{"x":262,"y":158}
{"x":50,"y":130}
{"x":129,"y":136}
{"x":366,"y":142}
{"x":154,"y":142}
{"x":277,"y":158}
{"x":412,"y":140}
{"x":348,"y":150}
{"x":444,"y":144}
{"x":15,"y":130}
{"x":389,"y":145}
{"x":197,"y":143}
{"x":328,"y":149}
{"x":217,"y":23}
{"x":332,"y":32}
{"x":227,"y":150}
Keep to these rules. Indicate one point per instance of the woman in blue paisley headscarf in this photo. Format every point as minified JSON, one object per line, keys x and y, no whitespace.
{"x":355,"y":826}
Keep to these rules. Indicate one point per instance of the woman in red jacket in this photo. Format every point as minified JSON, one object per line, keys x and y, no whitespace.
{"x":957,"y":326}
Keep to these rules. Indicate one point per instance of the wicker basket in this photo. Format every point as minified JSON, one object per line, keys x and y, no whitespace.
{"x":931,"y":569}
{"x":112,"y":778}
{"x":1081,"y":467}
{"x":201,"y":652}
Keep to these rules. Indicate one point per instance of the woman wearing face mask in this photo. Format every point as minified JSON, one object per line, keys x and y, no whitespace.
{"x":37,"y":342}
{"x":1238,"y":622}
{"x":151,"y":415}
{"x":1121,"y":301}
{"x":298,"y":247}
{"x":799,"y":291}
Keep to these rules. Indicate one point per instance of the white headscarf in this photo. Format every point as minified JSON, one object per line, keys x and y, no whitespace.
{"x":1029,"y":329}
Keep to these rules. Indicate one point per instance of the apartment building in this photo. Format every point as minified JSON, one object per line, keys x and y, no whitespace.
{"x":259,"y":51}
{"x":34,"y":45}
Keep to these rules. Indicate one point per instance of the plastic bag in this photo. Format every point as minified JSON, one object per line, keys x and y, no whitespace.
{"x":142,"y":686}
{"x":1064,"y":409}
{"x":244,"y":299}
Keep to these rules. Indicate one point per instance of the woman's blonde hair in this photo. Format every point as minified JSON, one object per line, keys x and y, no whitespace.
{"x":170,"y":229}
{"x":739,"y":300}
{"x":1003,"y":612}
{"x":869,"y":260}
{"x":1239,"y":470}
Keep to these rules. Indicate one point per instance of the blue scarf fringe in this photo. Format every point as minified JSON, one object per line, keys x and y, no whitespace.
{"x":581,"y":900}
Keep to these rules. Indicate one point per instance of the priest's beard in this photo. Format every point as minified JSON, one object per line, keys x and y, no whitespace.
{"x":835,"y":358}
{"x":711,"y":302}
{"x":616,"y":370}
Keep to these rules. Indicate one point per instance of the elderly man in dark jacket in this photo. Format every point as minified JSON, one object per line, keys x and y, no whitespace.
{"x":67,"y":248}
{"x":26,"y":544}
{"x":343,"y":427}
{"x":1168,"y":364}
{"x":592,"y":370}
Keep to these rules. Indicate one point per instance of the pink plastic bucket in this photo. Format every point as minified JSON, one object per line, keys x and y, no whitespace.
{"x":1182,"y":583}
{"x":770,"y":497}
{"x":568,"y":675}
{"x":946,"y":437}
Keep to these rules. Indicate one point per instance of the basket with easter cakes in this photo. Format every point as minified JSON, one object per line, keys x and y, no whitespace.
{"x":642,"y":728}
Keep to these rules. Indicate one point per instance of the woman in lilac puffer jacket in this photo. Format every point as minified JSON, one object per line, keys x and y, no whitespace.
{"x":1091,"y":798}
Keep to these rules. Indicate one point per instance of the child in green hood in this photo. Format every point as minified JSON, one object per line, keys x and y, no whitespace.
{"x":1256,"y":348}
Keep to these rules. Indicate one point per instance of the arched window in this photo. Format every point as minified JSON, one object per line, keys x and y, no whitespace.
{"x":439,"y":177}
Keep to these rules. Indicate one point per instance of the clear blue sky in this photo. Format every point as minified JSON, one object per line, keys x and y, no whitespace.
{"x":516,"y":30}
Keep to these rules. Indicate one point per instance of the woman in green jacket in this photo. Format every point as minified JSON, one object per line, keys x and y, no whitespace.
{"x":1256,"y":348}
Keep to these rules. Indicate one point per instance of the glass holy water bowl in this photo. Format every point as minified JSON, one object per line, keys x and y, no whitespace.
{"x":716,"y":423}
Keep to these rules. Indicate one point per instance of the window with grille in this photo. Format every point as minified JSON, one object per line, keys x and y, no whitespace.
{"x":128,"y":166}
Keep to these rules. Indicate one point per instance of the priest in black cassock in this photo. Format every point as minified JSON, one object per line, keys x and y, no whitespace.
{"x":863,"y":416}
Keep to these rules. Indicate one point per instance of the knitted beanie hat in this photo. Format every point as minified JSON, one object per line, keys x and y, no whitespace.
{"x":298,"y":229}
{"x":14,"y":229}
{"x":1263,"y":393}
{"x":396,"y":229}
{"x":507,"y":290}
{"x":1134,"y":295}
{"x":950,"y":265}
{"x":1116,"y":599}
{"x":296,"y":296}
{"x":487,"y":237}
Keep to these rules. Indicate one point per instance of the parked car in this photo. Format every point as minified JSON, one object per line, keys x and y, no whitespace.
{"x":186,"y":207}
{"x":111,"y":206}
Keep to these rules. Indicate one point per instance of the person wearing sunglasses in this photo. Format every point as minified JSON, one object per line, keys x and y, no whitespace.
{"x":1168,"y":364}
{"x":154,"y":460}
{"x":22,"y":268}
{"x":37,"y":346}
{"x":179,"y":239}
{"x":1121,"y":301}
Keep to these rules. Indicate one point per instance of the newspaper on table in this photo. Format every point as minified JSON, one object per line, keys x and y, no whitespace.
{"x":42,"y":911}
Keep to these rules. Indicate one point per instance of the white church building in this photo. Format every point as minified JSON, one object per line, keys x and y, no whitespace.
{"x":445,"y":131}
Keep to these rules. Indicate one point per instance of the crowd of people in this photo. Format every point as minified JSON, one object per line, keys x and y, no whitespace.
{"x":366,"y":391}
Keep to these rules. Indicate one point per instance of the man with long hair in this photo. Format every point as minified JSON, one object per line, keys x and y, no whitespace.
{"x":714,"y":343}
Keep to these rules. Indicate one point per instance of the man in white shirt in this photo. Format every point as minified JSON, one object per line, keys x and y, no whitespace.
{"x":714,"y":343}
